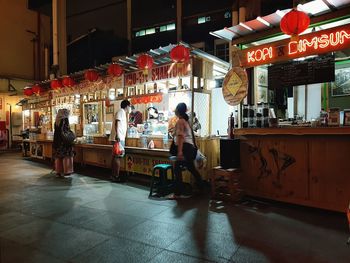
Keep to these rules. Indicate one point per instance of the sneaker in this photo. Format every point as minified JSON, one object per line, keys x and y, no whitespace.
{"x":117,"y":179}
{"x":175,"y":196}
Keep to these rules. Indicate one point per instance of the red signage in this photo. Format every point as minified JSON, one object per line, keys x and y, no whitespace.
{"x":167,"y":71}
{"x":324,"y":41}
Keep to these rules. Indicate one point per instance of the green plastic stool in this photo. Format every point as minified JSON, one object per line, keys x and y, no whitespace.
{"x":162,"y":185}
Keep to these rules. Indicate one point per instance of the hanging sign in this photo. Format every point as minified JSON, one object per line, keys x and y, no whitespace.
{"x":167,"y":71}
{"x":320,"y":42}
{"x":235,"y":86}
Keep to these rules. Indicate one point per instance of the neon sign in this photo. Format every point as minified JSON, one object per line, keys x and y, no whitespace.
{"x":260,"y":54}
{"x":324,"y":41}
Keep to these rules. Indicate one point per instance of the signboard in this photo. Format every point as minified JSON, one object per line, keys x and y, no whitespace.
{"x":320,"y":42}
{"x":163,"y":72}
{"x":235,"y":86}
{"x":317,"y":70}
{"x":143,"y":164}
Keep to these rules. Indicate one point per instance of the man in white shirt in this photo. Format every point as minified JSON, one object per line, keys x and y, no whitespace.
{"x":118,"y":134}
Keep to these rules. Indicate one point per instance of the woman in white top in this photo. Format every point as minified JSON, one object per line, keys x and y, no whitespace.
{"x":186,"y":149}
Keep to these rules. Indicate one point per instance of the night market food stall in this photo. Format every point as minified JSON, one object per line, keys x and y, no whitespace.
{"x":294,"y":124}
{"x":154,"y":82}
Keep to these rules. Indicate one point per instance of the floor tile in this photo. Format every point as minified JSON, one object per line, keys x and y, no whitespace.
{"x":118,"y":250}
{"x":155,"y":233}
{"x":209,"y":246}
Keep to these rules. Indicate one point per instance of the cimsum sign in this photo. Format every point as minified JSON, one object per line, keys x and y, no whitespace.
{"x":324,"y":41}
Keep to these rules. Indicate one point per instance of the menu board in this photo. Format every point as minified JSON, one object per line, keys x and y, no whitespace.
{"x":316,"y":70}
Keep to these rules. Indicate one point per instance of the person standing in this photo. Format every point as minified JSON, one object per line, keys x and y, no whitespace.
{"x":118,"y":135}
{"x":62,"y":150}
{"x":135,"y":117}
{"x":186,"y":150}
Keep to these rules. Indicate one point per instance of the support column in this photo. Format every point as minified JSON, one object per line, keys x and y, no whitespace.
{"x":128,"y":25}
{"x":55,"y":32}
{"x":178,"y":20}
{"x":62,"y":39}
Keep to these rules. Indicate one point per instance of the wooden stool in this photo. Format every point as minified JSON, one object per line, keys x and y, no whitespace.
{"x":161,"y":185}
{"x":225,"y":184}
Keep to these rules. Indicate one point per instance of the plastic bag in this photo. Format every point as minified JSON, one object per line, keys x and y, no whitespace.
{"x":118,"y":149}
{"x":200,"y":160}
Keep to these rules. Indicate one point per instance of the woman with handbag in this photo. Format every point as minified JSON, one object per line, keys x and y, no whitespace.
{"x":63,"y":144}
{"x":185,"y":144}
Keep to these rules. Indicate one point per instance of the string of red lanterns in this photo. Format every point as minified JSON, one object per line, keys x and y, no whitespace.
{"x":145,"y":63}
{"x":68,"y":82}
{"x":115,"y":70}
{"x":180,"y":54}
{"x":91,"y":75}
{"x":56,"y":84}
{"x":37,"y":89}
{"x":28,"y":91}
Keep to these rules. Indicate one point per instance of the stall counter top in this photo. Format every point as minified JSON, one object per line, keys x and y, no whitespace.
{"x":294,"y":131}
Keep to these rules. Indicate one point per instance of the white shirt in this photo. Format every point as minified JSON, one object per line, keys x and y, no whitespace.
{"x":120,"y":117}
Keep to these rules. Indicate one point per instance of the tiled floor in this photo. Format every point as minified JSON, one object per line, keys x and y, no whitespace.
{"x":89,"y":219}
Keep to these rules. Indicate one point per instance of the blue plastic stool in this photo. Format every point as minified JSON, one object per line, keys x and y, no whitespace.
{"x":162,"y":185}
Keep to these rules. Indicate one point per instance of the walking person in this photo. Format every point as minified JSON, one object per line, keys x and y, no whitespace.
{"x":118,"y":135}
{"x":186,"y":150}
{"x":63,"y":148}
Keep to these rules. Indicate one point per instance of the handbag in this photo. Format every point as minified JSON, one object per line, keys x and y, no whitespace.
{"x":68,"y":136}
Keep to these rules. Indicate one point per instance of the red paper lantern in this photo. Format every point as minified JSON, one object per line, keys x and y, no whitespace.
{"x":144,"y":62}
{"x":294,"y":22}
{"x":28,"y":91}
{"x":91,"y":75}
{"x":56,"y":84}
{"x":180,"y":53}
{"x":68,"y":81}
{"x":115,"y":70}
{"x":37,"y":89}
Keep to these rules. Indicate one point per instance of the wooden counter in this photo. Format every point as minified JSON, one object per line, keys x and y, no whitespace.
{"x":295,"y":131}
{"x":307,"y":166}
{"x":138,"y":160}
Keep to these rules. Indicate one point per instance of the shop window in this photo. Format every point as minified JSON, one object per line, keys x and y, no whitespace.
{"x":203,"y":19}
{"x":150,"y":31}
{"x":170,"y":27}
{"x":222,"y":51}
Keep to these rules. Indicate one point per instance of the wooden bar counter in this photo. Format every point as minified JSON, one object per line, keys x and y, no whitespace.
{"x":306,"y":166}
{"x":137,"y":159}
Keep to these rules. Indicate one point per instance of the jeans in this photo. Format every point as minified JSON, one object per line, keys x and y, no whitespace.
{"x":179,"y":188}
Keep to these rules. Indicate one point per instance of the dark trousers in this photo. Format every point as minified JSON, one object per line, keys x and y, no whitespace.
{"x":179,"y":165}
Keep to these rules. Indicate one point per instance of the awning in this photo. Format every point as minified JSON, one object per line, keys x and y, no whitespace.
{"x":313,"y":8}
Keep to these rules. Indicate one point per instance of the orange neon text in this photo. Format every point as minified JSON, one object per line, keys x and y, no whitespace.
{"x":318,"y":42}
{"x":260,"y":54}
